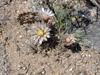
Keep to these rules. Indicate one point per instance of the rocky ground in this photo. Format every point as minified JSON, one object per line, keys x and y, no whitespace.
{"x":18,"y":56}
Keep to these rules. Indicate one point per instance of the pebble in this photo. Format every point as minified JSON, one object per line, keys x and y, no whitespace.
{"x":25,"y":2}
{"x":33,"y":56}
{"x":70,"y":69}
{"x":20,"y":65}
{"x":83,"y":56}
{"x":22,"y":44}
{"x":26,"y":29}
{"x":52,"y":72}
{"x":43,"y":72}
{"x":20,"y":36}
{"x":24,"y":68}
{"x":89,"y":55}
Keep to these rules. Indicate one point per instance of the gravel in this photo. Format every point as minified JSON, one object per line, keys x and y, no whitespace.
{"x":4,"y":64}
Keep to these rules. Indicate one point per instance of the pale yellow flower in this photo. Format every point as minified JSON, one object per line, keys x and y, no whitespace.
{"x":68,"y":39}
{"x":39,"y":32}
{"x":45,"y":15}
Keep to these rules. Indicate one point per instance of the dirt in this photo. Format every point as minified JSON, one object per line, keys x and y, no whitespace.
{"x":21,"y":57}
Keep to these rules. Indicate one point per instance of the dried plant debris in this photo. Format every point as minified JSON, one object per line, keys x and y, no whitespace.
{"x":4,"y":2}
{"x":27,"y":18}
{"x":96,"y":2}
{"x":81,"y":72}
{"x":0,"y":29}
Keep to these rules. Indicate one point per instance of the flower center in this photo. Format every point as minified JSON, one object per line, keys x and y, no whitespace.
{"x":68,"y":39}
{"x":40,"y":32}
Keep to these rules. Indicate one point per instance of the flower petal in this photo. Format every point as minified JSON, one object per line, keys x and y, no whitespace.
{"x":32,"y":37}
{"x":42,"y":9}
{"x":46,"y":29}
{"x":50,"y":12}
{"x":44,"y":39}
{"x":48,"y":36}
{"x":47,"y":10}
{"x":41,"y":40}
{"x":51,"y":15}
{"x":47,"y":33}
{"x":36,"y":40}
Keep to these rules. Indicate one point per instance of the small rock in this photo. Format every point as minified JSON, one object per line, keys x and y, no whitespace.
{"x":24,"y":68}
{"x":20,"y":36}
{"x":68,"y":55}
{"x":70,"y":69}
{"x":92,"y":12}
{"x":6,"y":38}
{"x":26,"y":29}
{"x":20,"y":65}
{"x":43,"y":72}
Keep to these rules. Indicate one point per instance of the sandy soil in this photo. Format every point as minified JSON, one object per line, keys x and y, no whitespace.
{"x":26,"y":59}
